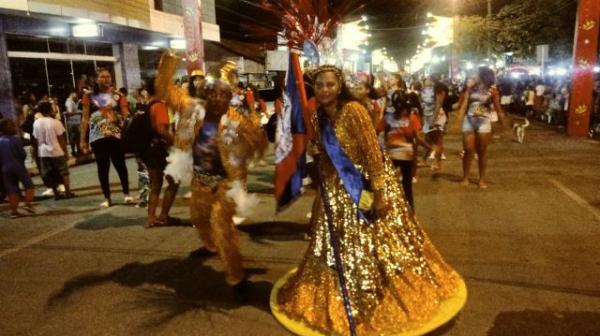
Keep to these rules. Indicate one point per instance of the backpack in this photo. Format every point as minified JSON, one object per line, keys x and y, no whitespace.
{"x":137,"y":132}
{"x":271,"y":127}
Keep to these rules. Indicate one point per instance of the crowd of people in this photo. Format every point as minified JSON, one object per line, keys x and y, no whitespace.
{"x":371,"y":133}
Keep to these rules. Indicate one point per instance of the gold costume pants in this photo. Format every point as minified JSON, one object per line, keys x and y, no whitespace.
{"x":212,"y":214}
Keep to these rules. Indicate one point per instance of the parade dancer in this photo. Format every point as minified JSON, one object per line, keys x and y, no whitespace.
{"x":369,"y":269}
{"x":188,"y":103}
{"x":222,"y":151}
{"x":480,"y":98}
{"x":434,"y":119}
{"x":244,"y":112}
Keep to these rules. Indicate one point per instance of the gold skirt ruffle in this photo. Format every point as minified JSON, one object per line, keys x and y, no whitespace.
{"x":307,"y":301}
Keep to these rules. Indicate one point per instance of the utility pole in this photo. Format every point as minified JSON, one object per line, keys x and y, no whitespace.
{"x":454,"y":46}
{"x":489,"y":33}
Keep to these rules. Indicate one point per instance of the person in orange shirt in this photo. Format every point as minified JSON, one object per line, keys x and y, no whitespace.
{"x":155,"y":159}
{"x":401,"y":139}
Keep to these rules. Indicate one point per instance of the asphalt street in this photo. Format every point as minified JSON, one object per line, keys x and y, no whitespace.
{"x":527,"y":247}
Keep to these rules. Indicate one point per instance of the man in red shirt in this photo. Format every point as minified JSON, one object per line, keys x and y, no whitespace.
{"x":155,"y":159}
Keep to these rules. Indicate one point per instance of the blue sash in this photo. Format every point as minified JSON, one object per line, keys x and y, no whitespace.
{"x":352,"y":179}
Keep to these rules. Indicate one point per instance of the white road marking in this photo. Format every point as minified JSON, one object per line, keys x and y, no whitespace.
{"x":47,"y":235}
{"x":578,"y":199}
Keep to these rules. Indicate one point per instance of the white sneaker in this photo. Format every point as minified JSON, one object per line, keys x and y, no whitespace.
{"x":61,"y":188}
{"x":48,"y":192}
{"x":105,"y":204}
{"x":128,"y":200}
{"x":188,"y":195}
{"x":431,"y":156}
{"x":443,"y":156}
{"x":238,"y":220}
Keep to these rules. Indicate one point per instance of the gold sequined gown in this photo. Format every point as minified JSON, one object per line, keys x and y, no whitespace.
{"x":395,"y":276}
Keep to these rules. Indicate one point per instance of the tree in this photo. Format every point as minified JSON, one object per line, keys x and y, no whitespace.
{"x":470,"y":36}
{"x":519,"y":27}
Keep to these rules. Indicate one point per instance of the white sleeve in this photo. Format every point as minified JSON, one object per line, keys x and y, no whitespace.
{"x":35,"y":129}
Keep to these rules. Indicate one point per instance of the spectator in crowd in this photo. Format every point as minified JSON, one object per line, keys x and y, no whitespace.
{"x":481,"y":97}
{"x":155,"y":159}
{"x":196,"y":85}
{"x":12,"y":164}
{"x":394,"y":83}
{"x":28,"y":106}
{"x":55,"y":108}
{"x":529,"y":98}
{"x":539,"y":100}
{"x":364,"y":93}
{"x":50,"y":139}
{"x":131,"y":100}
{"x":73,"y":122}
{"x":142,"y":99}
{"x":103,"y":112}
{"x":506,"y":93}
{"x":401,"y":138}
{"x":433,"y":95}
{"x":82,"y":85}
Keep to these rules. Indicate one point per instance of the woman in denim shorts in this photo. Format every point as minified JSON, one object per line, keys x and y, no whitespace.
{"x":481,"y":98}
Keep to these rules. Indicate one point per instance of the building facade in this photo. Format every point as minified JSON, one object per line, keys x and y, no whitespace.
{"x":53,"y":47}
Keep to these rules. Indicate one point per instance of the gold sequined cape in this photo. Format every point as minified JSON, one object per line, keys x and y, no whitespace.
{"x":395,"y":277}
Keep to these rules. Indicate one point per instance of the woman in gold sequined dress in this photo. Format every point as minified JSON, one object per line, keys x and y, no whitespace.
{"x":384,"y":267}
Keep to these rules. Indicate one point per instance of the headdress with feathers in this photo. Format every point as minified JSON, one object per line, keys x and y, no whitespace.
{"x":309,"y":19}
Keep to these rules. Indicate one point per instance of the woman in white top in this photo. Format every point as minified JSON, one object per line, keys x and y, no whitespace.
{"x":481,"y":97}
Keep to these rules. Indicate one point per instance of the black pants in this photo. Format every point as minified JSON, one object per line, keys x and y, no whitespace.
{"x":74,"y":137}
{"x":106,"y":150}
{"x":406,"y":167}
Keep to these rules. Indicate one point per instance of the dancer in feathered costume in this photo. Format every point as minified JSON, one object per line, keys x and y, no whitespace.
{"x":243,"y":102}
{"x":189,"y":112}
{"x":223,"y":149}
{"x":189,"y":108}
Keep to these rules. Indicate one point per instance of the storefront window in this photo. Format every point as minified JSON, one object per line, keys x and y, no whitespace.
{"x":28,"y":75}
{"x":60,"y":79}
{"x":58,"y":46}
{"x":26,"y":43}
{"x":98,"y":48}
{"x":76,"y":47}
{"x":51,"y":74}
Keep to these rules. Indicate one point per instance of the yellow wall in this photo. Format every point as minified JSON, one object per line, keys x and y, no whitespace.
{"x":131,"y":9}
